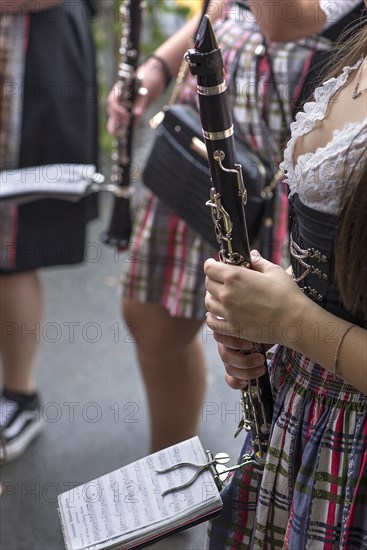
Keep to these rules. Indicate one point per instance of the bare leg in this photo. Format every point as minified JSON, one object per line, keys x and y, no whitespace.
{"x":21,"y":314}
{"x":173,"y":368}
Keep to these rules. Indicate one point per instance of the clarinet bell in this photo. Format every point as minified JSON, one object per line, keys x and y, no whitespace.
{"x":119,"y":231}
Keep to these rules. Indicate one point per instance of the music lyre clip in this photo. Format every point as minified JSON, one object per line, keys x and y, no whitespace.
{"x":215,"y":464}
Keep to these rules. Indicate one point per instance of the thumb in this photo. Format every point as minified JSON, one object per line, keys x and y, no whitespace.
{"x":140,"y":106}
{"x":258,"y":263}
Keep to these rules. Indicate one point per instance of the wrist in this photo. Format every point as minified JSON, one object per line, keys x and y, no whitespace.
{"x":315,"y":332}
{"x":158,"y":63}
{"x":299,"y":322}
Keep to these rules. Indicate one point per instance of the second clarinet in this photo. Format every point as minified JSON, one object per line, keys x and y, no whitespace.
{"x":128,"y":87}
{"x":227,"y":201}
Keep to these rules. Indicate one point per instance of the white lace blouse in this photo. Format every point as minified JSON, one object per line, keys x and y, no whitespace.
{"x":318,"y":177}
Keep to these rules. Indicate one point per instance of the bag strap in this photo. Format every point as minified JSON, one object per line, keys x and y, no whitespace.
{"x":286,"y":131}
{"x":260,"y":52}
{"x":184,"y":68}
{"x":339,"y":32}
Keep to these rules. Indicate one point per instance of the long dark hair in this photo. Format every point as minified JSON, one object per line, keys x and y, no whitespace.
{"x":351,"y":239}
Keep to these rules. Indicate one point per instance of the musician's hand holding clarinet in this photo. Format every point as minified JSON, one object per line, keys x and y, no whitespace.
{"x":156,"y":72}
{"x":265,"y":305}
{"x":154,"y":80}
{"x":239,"y":367}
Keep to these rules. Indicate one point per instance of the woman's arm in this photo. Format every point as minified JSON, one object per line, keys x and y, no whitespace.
{"x":285,"y":20}
{"x":265,"y":305}
{"x":12,"y":7}
{"x":153,"y":75}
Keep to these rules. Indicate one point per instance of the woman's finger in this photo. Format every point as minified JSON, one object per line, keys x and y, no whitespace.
{"x":213,"y":287}
{"x":244,"y":363}
{"x":244,"y":375}
{"x":239,"y":344}
{"x":215,"y":270}
{"x":213,"y":305}
{"x":220,"y":325}
{"x":234,"y":383}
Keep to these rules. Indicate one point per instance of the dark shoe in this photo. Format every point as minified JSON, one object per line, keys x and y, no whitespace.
{"x":20,"y":423}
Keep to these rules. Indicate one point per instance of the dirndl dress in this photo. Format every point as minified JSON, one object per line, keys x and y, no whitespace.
{"x":58,"y":124}
{"x":313,"y":492}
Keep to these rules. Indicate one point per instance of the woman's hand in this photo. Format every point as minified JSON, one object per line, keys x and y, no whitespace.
{"x":152,"y":83}
{"x":117,"y":114}
{"x":261,"y":304}
{"x":239,"y":363}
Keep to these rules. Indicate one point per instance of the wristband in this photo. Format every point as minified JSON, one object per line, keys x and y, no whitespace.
{"x":164,"y":67}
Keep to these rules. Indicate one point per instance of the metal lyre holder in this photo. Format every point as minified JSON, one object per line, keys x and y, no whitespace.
{"x":214,"y":464}
{"x":227,"y":201}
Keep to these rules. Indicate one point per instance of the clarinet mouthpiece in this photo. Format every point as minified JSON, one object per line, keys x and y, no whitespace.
{"x":205,"y":59}
{"x":205,"y":39}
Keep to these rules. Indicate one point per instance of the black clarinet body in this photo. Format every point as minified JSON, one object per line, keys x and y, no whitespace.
{"x":227,"y":201}
{"x":119,"y":230}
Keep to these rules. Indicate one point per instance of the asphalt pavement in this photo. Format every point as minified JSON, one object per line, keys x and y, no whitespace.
{"x":94,"y":408}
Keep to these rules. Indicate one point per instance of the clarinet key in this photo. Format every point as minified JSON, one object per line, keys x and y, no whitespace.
{"x":239,"y":427}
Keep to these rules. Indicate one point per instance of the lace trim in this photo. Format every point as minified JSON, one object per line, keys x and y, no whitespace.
{"x":311,"y":175}
{"x":314,"y":111}
{"x":319,"y":178}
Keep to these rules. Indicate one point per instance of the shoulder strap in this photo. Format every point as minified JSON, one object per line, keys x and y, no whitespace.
{"x":338,"y":32}
{"x":347,"y":25}
{"x":184,"y":67}
{"x":93,"y":6}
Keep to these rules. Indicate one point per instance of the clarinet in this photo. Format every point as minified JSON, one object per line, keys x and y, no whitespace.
{"x":227,"y":201}
{"x":119,"y":230}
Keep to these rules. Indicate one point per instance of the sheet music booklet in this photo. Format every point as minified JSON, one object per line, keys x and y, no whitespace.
{"x":126,"y":509}
{"x":53,"y":181}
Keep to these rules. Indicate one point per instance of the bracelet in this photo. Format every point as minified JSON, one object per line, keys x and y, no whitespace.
{"x":164,"y":67}
{"x":338,"y":347}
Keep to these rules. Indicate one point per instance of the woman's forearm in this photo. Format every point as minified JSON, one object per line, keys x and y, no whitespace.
{"x":173,"y":49}
{"x":12,"y":7}
{"x":329,"y":341}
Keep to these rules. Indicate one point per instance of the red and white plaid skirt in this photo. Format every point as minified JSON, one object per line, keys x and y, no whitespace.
{"x":165,"y":264}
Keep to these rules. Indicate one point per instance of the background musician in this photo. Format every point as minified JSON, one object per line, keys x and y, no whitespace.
{"x":48,"y":58}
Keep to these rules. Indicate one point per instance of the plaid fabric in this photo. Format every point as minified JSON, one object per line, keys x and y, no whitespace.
{"x":313,"y":494}
{"x":40,"y":131}
{"x":165,"y":264}
{"x":12,"y":60}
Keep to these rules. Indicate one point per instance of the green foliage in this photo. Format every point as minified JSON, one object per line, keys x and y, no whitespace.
{"x":154,"y":10}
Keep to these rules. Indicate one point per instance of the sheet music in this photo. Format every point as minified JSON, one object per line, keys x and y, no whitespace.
{"x":126,"y":505}
{"x":49,"y":180}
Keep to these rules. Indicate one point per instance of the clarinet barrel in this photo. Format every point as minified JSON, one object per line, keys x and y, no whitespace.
{"x":119,"y":230}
